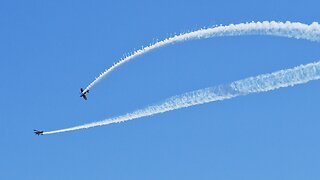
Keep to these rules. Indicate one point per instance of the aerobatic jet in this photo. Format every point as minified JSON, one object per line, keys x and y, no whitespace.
{"x":38,"y":132}
{"x":83,"y":93}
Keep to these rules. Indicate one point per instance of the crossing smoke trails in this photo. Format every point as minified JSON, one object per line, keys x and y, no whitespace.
{"x":261,"y":83}
{"x":292,"y":30}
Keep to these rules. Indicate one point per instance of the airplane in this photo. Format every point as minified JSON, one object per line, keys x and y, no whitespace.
{"x":83,"y":93}
{"x":38,"y":132}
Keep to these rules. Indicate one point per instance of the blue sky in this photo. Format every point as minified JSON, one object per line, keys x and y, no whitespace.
{"x":51,"y":49}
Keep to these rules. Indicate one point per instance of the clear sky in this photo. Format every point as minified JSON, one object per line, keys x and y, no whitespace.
{"x":49,"y":49}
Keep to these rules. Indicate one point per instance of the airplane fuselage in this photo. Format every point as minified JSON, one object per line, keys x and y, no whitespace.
{"x":83,"y":93}
{"x":38,"y":132}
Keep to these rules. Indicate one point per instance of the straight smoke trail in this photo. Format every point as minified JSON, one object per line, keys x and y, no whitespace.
{"x":291,"y":30}
{"x":261,"y":83}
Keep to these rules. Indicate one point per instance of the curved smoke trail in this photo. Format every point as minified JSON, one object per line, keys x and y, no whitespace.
{"x":262,"y":83}
{"x":287,"y":29}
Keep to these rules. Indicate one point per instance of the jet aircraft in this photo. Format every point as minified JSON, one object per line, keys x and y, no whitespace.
{"x":83,"y":94}
{"x":38,"y":132}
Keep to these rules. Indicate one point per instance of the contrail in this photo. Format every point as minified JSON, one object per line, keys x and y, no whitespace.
{"x":261,"y":83}
{"x":288,"y":29}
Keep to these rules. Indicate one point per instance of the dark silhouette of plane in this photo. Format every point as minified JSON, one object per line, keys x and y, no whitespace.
{"x":83,"y":94}
{"x":38,"y":132}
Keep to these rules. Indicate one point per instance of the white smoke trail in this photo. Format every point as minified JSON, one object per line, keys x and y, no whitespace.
{"x":291,"y":30}
{"x":262,"y":83}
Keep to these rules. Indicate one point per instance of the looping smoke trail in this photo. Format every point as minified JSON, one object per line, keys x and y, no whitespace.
{"x":287,"y":29}
{"x":262,"y":83}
